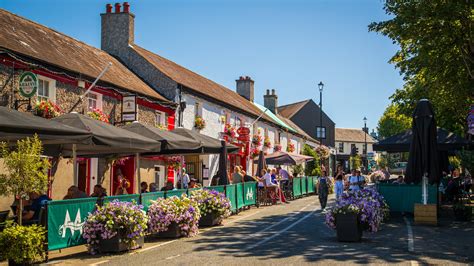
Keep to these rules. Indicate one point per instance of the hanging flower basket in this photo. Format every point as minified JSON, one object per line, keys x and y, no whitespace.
{"x":98,"y":115}
{"x":323,"y":151}
{"x":257,"y":140}
{"x":47,"y":109}
{"x":290,"y":147}
{"x":214,"y":206}
{"x":229,"y":131}
{"x":277,"y":147}
{"x":267,"y":143}
{"x":174,"y":162}
{"x":199,"y":123}
{"x":254,"y":153}
{"x":161,"y":127}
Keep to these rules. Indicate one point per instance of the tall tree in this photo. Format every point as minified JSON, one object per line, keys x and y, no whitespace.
{"x":393,"y":122}
{"x":436,"y":56}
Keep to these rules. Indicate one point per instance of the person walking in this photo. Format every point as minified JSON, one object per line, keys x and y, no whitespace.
{"x":323,"y":190}
{"x":354,"y":181}
{"x":339,"y":183}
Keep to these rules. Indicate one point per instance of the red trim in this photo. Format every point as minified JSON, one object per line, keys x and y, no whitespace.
{"x":155,"y":106}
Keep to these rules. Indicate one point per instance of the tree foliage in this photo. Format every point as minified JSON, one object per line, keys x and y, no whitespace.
{"x":355,"y":161}
{"x":393,"y":122}
{"x":436,"y":56}
{"x":313,"y":168}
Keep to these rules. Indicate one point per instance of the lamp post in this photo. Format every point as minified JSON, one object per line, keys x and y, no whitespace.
{"x":365,"y":143}
{"x":321,"y":86}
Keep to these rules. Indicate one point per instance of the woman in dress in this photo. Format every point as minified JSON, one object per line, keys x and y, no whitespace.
{"x":339,"y":183}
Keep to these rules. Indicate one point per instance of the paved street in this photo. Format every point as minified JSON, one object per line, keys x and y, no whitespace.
{"x":294,"y":234}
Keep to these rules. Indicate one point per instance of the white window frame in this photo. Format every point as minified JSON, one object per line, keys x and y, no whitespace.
{"x":340,"y":145}
{"x":98,"y":100}
{"x":51,"y":88}
{"x":159,"y":115}
{"x":320,"y":131}
{"x":198,"y":109}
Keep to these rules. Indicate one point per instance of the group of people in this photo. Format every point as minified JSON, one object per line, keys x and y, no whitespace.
{"x":452,"y":186}
{"x":74,"y":192}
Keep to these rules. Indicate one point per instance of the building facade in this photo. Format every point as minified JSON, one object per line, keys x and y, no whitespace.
{"x":352,"y":141}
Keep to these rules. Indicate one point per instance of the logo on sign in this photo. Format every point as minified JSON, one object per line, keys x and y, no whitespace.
{"x":28,"y":84}
{"x":249,"y":194}
{"x":72,"y":226}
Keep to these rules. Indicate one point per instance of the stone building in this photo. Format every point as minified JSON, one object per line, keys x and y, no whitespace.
{"x":65,"y":67}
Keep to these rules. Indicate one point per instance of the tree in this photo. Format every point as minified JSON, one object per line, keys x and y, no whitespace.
{"x":26,"y":170}
{"x":393,"y":122}
{"x":313,"y":168}
{"x":355,"y":161}
{"x":436,"y":56}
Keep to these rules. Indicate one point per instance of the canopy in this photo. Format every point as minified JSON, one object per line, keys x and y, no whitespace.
{"x":285,"y":158}
{"x":447,"y":141}
{"x":170,"y":141}
{"x":208,"y":144}
{"x":15,"y":125}
{"x":106,"y":138}
{"x":260,"y":164}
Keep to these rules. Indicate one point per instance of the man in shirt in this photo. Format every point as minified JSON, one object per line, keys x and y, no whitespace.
{"x":32,"y":211}
{"x":354,"y":181}
{"x":184,"y":179}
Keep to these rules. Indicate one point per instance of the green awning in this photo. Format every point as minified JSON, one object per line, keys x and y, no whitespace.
{"x":274,"y":117}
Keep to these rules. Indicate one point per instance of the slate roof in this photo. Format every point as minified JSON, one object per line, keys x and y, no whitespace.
{"x":352,"y":135}
{"x":28,"y":38}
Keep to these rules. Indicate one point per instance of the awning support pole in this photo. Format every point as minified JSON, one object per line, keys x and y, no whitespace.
{"x":137,"y":169}
{"x":74,"y":164}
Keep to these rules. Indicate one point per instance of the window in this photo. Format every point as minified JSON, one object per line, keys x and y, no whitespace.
{"x":197,"y":109}
{"x":161,"y":119}
{"x":321,"y":132}
{"x":353,"y":148}
{"x":46,"y":89}
{"x":277,"y":137}
{"x":341,"y":147}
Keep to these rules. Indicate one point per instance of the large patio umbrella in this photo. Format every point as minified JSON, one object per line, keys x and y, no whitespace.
{"x":208,"y":144}
{"x":222,"y":172}
{"x":261,"y":164}
{"x":285,"y":158}
{"x":423,"y":159}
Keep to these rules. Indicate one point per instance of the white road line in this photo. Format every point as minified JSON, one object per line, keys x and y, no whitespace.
{"x":411,"y":242}
{"x":281,"y":231}
{"x":172,"y":257}
{"x":99,"y":262}
{"x":155,"y":246}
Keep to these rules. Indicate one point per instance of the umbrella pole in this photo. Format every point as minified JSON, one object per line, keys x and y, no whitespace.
{"x":74,"y":164}
{"x":137,"y":169}
{"x":425,"y":189}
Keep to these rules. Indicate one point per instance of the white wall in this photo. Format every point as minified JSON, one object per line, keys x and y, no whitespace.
{"x":347,"y":147}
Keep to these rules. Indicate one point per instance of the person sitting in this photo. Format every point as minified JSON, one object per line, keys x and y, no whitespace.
{"x":32,"y":211}
{"x":237,"y":176}
{"x":248,"y":178}
{"x":99,"y":192}
{"x":274,"y":176}
{"x":74,"y":193}
{"x":169,"y":186}
{"x":399,"y":180}
{"x":143,"y":187}
{"x":152,"y":187}
{"x":193,"y":183}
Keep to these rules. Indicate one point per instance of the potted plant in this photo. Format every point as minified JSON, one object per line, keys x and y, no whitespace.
{"x":174,"y":217}
{"x":290,"y":147}
{"x":229,"y":132}
{"x":199,"y":123}
{"x":214,"y":206}
{"x":97,"y":114}
{"x":47,"y":109}
{"x":115,"y":227}
{"x":23,"y":245}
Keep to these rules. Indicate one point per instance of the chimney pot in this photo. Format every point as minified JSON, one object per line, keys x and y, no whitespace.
{"x":268,"y":92}
{"x":126,"y":7}
{"x":245,"y":87}
{"x":108,"y":8}
{"x":273,"y":91}
{"x":117,"y":7}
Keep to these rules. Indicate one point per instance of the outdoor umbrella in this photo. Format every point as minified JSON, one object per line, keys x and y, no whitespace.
{"x":171,"y":143}
{"x":208,"y":144}
{"x":284,"y":158}
{"x":261,"y":164}
{"x":423,"y":149}
{"x":222,"y":172}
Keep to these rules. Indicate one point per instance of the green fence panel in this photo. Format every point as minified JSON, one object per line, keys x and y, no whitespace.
{"x":304,"y":183}
{"x":402,"y":198}
{"x":65,"y":221}
{"x":123,"y":198}
{"x":231,"y":195}
{"x":250,"y":193}
{"x":217,"y":188}
{"x":192,"y":189}
{"x":178,"y":193}
{"x":147,"y":198}
{"x":240,"y":195}
{"x":310,"y":184}
{"x":297,"y":186}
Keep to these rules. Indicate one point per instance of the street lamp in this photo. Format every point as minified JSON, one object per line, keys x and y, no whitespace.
{"x":321,"y":87}
{"x":365,"y":143}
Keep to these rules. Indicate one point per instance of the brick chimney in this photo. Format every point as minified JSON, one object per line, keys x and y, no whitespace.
{"x":117,"y":28}
{"x":245,"y":87}
{"x":270,"y":101}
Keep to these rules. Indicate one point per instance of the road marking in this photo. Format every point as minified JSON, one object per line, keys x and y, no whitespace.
{"x":281,"y":231}
{"x":99,"y":262}
{"x":172,"y":257}
{"x":411,"y":243}
{"x":155,"y":246}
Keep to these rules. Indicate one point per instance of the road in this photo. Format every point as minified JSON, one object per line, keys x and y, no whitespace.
{"x":288,"y":234}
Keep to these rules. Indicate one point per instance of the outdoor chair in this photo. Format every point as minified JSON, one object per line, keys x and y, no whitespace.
{"x":287,"y":189}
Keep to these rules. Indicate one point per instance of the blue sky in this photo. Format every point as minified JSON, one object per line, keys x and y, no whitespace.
{"x":285,"y":45}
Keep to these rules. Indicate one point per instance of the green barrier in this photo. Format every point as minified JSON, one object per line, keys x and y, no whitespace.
{"x":310,"y":184}
{"x":192,"y":189}
{"x":217,"y":188}
{"x":240,"y":195}
{"x":65,"y":221}
{"x":150,"y":196}
{"x":402,"y":198}
{"x":297,"y":186}
{"x":304,"y":188}
{"x":178,"y":193}
{"x":123,"y":198}
{"x":230,"y":194}
{"x":250,"y":193}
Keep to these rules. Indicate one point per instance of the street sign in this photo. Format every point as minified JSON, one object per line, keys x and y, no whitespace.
{"x":28,"y":84}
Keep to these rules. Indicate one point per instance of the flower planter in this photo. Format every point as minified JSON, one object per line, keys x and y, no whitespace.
{"x":13,"y":263}
{"x":426,"y":214}
{"x":348,"y":227}
{"x":173,"y":231}
{"x":116,"y":244}
{"x":210,"y":219}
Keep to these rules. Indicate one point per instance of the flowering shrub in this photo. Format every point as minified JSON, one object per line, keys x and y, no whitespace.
{"x":290,"y":147}
{"x":173,"y":162}
{"x":367,"y":203}
{"x":229,"y":131}
{"x":211,"y":201}
{"x":267,"y":143}
{"x":47,"y":109}
{"x":125,"y":219}
{"x":199,"y":122}
{"x":376,"y":176}
{"x":254,"y":152}
{"x":183,"y":211}
{"x":257,"y":140}
{"x":98,"y":115}
{"x":323,"y":151}
{"x":277,"y":147}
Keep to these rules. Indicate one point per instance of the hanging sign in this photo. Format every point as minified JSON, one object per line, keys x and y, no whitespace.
{"x":129,"y":108}
{"x":28,"y":84}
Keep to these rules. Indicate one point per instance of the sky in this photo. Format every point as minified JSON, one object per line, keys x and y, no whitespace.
{"x":286,"y":45}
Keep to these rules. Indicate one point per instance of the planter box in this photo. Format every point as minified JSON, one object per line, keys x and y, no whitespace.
{"x":173,"y":231}
{"x":348,"y":227}
{"x":116,"y":244}
{"x":13,"y":263}
{"x":426,"y":214}
{"x":210,"y":219}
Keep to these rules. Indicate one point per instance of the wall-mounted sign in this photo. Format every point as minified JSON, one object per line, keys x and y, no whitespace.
{"x":129,"y":117}
{"x":129,"y":108}
{"x":243,"y":131}
{"x":28,"y":84}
